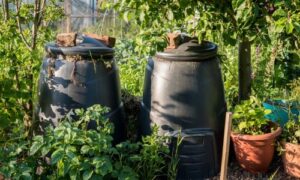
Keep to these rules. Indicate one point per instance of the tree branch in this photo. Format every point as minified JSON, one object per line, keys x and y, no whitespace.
{"x":42,"y":11}
{"x":19,"y":26}
{"x":5,"y":9}
{"x":35,"y":25}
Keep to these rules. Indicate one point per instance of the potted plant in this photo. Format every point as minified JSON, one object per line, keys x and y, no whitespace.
{"x":291,"y":147}
{"x":253,"y":136}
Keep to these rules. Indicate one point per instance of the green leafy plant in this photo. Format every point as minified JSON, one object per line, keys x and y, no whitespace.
{"x":249,"y":118}
{"x":14,"y":161}
{"x":291,"y":131}
{"x":174,"y":159}
{"x":132,"y":66}
{"x":25,"y":28}
{"x":152,"y":164}
{"x":71,"y":151}
{"x":246,"y":23}
{"x":295,"y":91}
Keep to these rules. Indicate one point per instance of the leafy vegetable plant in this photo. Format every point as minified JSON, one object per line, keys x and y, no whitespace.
{"x":249,"y":118}
{"x":70,"y":151}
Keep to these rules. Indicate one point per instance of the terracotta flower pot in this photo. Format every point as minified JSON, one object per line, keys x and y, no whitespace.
{"x":255,"y":152}
{"x":291,"y":159}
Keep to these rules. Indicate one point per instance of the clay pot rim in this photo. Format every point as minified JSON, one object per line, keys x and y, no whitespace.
{"x":261,"y":137}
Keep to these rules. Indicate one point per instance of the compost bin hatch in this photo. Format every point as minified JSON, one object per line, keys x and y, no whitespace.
{"x":85,"y":46}
{"x":190,"y":50}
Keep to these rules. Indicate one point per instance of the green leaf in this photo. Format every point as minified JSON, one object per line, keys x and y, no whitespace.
{"x":85,"y":149}
{"x":87,"y":174}
{"x":237,"y":3}
{"x":279,"y":13}
{"x":280,"y":24}
{"x":170,"y":14}
{"x":38,"y":138}
{"x":252,"y":37}
{"x":79,"y":141}
{"x":26,"y":176}
{"x":4,"y":122}
{"x":56,"y":156}
{"x":289,"y":28}
{"x":142,"y":16}
{"x":242,"y":125}
{"x":127,"y":16}
{"x":67,"y":167}
{"x":73,"y":174}
{"x":35,"y":147}
{"x":297,"y":26}
{"x":70,"y":154}
{"x":267,"y":111}
{"x":45,"y":150}
{"x":105,"y":168}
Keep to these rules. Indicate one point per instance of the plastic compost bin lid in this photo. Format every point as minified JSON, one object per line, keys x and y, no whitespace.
{"x":190,"y":50}
{"x":85,"y":46}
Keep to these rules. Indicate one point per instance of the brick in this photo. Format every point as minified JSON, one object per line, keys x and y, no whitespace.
{"x":107,"y":40}
{"x":174,"y":40}
{"x":66,"y":39}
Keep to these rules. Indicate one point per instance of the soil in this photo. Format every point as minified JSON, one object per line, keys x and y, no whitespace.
{"x":275,"y":172}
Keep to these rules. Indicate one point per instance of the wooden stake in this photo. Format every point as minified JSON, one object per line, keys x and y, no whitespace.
{"x":226,"y":145}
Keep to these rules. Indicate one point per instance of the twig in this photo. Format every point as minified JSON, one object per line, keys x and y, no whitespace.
{"x":42,"y":11}
{"x":19,"y":26}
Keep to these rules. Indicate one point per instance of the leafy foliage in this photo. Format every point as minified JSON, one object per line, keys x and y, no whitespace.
{"x":249,"y":118}
{"x":291,"y":131}
{"x":235,"y":20}
{"x":271,"y":27}
{"x":23,"y":33}
{"x":71,"y":151}
{"x":295,"y":90}
{"x":132,"y":66}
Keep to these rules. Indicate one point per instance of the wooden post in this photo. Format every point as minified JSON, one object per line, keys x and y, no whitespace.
{"x":68,"y":13}
{"x":226,"y":145}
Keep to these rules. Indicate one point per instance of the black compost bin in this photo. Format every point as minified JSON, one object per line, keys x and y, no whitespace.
{"x":79,"y":77}
{"x":184,"y":94}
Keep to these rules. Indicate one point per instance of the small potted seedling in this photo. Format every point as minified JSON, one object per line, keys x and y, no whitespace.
{"x":291,"y":147}
{"x":253,"y":136}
